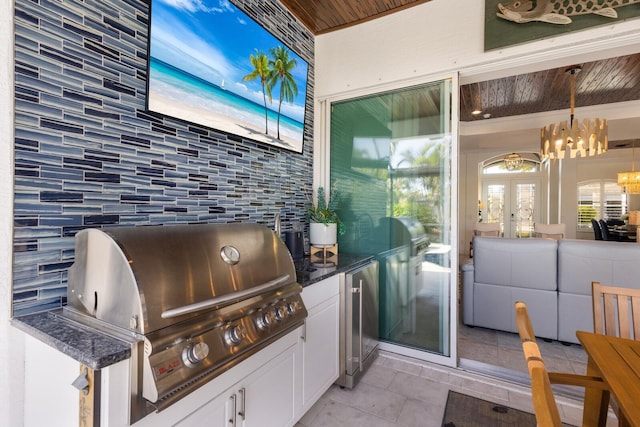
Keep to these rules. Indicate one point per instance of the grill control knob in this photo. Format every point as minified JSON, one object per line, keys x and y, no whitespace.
{"x":263,"y":320}
{"x":292,"y":308}
{"x":279,"y":313}
{"x":195,"y":353}
{"x":234,"y":334}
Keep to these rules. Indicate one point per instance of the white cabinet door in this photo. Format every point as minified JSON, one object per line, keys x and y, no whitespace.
{"x":213,"y":403}
{"x":320,"y":339}
{"x":267,"y":396}
{"x":49,"y":397}
{"x":218,"y":412}
{"x":263,"y":398}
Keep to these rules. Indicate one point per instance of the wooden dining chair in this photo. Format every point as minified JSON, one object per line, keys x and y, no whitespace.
{"x":544,"y":402}
{"x":549,"y":231}
{"x":616,"y":311}
{"x":486,"y":229}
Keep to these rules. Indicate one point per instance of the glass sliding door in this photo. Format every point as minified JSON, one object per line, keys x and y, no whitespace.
{"x":391,"y":158}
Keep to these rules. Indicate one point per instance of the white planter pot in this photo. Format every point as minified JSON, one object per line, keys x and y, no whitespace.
{"x":323,"y":234}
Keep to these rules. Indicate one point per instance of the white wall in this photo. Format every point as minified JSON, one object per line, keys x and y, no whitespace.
{"x":11,"y":341}
{"x":440,"y":37}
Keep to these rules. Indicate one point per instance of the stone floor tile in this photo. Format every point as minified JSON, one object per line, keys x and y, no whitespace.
{"x":400,"y":391}
{"x":509,"y":340}
{"x":482,"y":335}
{"x":512,"y":358}
{"x":374,"y":400}
{"x":416,"y":413}
{"x":313,"y":412}
{"x":335,"y":414}
{"x":484,"y":390}
{"x":402,"y":366}
{"x":378,"y":375}
{"x":440,"y":376}
{"x":478,"y":351}
{"x":415,"y":387}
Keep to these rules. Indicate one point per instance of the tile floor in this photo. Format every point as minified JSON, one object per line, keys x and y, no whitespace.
{"x":500,"y":353}
{"x":400,"y":391}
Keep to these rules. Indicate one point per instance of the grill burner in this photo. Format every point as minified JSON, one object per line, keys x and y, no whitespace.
{"x":194,"y":300}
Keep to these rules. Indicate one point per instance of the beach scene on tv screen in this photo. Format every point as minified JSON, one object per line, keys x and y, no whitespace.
{"x":210,"y":64}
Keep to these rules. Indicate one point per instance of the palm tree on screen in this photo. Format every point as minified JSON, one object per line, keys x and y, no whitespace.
{"x":261,"y":70}
{"x":281,"y":65}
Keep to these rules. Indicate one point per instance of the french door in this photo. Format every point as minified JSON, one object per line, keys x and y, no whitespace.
{"x":513,"y":202}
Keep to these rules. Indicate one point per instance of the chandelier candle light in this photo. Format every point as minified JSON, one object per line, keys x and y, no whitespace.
{"x":585,"y":139}
{"x":630,"y":180}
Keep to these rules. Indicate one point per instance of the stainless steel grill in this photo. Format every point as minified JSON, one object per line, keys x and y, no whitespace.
{"x":404,"y":230}
{"x":194,"y":300}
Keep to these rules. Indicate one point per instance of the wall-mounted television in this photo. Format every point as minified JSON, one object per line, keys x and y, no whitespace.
{"x":212,"y":65}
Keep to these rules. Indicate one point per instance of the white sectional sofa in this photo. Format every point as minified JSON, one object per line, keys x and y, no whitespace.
{"x":553,"y":277}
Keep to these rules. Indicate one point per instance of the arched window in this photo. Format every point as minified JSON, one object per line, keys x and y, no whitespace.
{"x":600,"y":199}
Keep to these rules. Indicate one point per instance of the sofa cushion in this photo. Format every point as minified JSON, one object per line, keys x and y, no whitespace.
{"x":493,"y":308}
{"x":523,"y":263}
{"x":581,"y":262}
{"x":575,"y":313}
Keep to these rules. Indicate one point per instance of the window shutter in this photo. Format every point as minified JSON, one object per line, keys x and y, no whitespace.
{"x":602,"y":199}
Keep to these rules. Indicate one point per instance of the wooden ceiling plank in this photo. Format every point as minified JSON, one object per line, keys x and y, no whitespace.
{"x":323,"y":16}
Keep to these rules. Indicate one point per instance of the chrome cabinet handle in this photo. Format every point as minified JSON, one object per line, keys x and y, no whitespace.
{"x":243,"y":396}
{"x":232,"y":420}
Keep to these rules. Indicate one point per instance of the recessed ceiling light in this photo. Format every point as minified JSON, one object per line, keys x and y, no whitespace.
{"x":476,"y":112}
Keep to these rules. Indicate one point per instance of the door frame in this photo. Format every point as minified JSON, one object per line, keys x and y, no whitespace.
{"x":321,"y":177}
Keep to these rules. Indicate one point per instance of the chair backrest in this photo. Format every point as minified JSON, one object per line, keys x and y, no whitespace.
{"x":550,"y":231}
{"x":486,"y":229}
{"x":597,"y":232}
{"x":604,"y":228}
{"x":544,"y":401}
{"x":616,"y":311}
{"x":523,"y":323}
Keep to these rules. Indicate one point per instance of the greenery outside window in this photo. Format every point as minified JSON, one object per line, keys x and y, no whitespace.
{"x":600,"y":199}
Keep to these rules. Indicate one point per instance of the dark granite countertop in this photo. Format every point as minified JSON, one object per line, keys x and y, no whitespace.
{"x":82,"y":343}
{"x":98,"y":350}
{"x":310,"y":270}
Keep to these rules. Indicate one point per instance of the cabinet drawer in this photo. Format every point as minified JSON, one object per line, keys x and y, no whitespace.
{"x":319,"y":292}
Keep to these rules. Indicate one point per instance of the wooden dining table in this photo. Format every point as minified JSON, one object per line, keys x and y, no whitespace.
{"x":617,"y":362}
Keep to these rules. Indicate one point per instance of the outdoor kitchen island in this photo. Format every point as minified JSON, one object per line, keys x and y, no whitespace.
{"x":279,"y":383}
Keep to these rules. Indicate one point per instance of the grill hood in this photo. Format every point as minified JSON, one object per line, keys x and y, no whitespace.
{"x":147,"y":278}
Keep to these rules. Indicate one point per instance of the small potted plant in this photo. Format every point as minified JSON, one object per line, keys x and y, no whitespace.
{"x":325,"y":225}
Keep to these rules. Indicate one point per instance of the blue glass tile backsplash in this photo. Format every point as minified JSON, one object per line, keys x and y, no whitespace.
{"x":87,"y":154}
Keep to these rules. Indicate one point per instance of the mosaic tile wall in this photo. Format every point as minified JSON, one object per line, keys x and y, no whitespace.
{"x":87,"y":154}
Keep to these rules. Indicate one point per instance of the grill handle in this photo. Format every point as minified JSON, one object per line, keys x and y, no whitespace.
{"x":225,"y":299}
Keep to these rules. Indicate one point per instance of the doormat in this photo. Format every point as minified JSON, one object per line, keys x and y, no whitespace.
{"x":469,"y":411}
